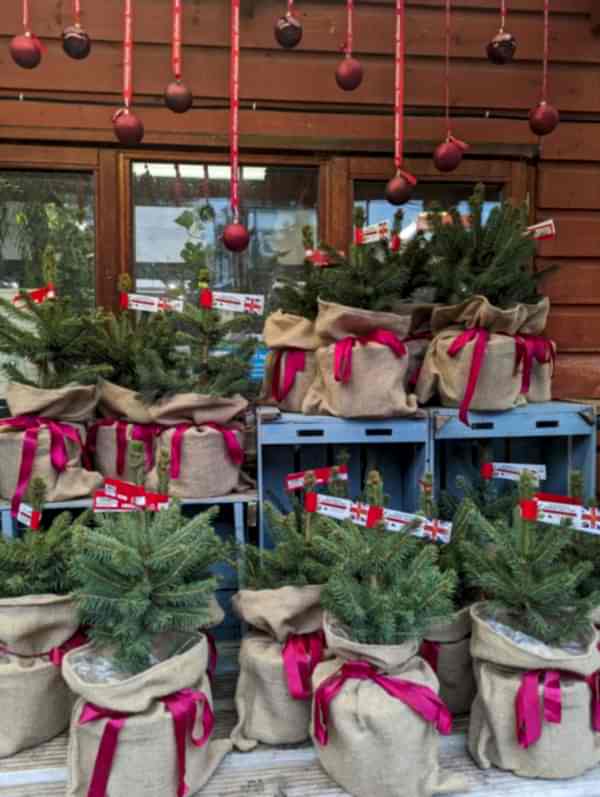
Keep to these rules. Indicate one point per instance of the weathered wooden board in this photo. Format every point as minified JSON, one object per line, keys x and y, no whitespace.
{"x":574,"y":185}
{"x":575,"y":282}
{"x":577,"y":234}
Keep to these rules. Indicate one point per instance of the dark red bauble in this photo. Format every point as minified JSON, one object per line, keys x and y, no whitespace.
{"x":502,"y":48}
{"x":26,"y":51}
{"x":398,"y":190}
{"x":543,"y":119}
{"x":76,"y":43}
{"x":288,"y":31}
{"x":349,"y":74}
{"x":447,"y":156}
{"x":129,"y":128}
{"x":236,"y":237}
{"x":178,"y":98}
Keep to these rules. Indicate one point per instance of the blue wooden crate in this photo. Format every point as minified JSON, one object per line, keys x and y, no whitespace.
{"x":292,"y":442}
{"x":560,"y":435}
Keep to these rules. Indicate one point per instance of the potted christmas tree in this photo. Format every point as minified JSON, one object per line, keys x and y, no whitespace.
{"x":376,"y":709}
{"x":488,"y":352}
{"x":145,"y":588}
{"x":534,"y":649}
{"x":38,"y":622}
{"x":281,"y":604}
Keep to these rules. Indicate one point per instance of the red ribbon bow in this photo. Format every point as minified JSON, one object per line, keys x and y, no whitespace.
{"x":430,"y":651}
{"x":144,"y":432}
{"x":59,"y":434}
{"x":528,"y":349}
{"x":232,"y":444}
{"x":295,"y":361}
{"x":343,"y":351}
{"x":183,"y":708}
{"x":421,"y":699}
{"x":301,"y":654}
{"x":481,"y":337}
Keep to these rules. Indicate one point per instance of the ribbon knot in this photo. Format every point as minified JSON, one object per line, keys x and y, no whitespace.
{"x":301,"y":654}
{"x":420,"y":698}
{"x":295,"y":362}
{"x":527,"y":704}
{"x":530,"y":348}
{"x":481,"y":338}
{"x":230,"y":438}
{"x":344,"y":348}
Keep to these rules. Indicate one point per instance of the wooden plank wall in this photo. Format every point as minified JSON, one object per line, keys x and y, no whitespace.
{"x":291,"y":101}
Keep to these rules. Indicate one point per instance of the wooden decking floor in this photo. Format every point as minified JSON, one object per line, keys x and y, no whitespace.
{"x":286,"y":771}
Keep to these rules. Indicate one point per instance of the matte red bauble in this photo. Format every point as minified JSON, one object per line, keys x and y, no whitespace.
{"x":349,"y":74}
{"x":236,"y":237}
{"x":447,"y":156}
{"x":288,"y":31}
{"x":178,"y":97}
{"x":129,"y":128}
{"x":76,"y":43}
{"x":26,"y":51}
{"x":543,"y":119}
{"x":502,"y":48}
{"x":398,"y":190}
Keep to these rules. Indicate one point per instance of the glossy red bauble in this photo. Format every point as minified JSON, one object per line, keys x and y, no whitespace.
{"x":76,"y":43}
{"x":288,"y":31}
{"x":129,"y":128}
{"x":398,"y":190}
{"x":543,"y":119}
{"x":502,"y":48}
{"x":26,"y":51}
{"x":178,"y":98}
{"x":447,"y":156}
{"x":349,"y":74}
{"x":236,"y":237}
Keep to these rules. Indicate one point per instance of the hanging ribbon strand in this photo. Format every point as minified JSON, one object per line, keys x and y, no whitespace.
{"x":501,"y":49}
{"x":26,"y":17}
{"x":349,"y":73}
{"x":288,"y":29}
{"x":449,"y":153}
{"x":544,"y":118}
{"x":76,"y":42}
{"x":400,"y":187}
{"x":235,"y":235}
{"x":178,"y":98}
{"x":26,"y":50}
{"x":128,"y":127}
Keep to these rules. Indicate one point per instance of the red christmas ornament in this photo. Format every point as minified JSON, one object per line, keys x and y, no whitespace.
{"x":349,"y":74}
{"x":399,"y":189}
{"x":288,"y":29}
{"x":236,"y":237}
{"x":129,"y":128}
{"x":76,"y":42}
{"x":26,"y":51}
{"x":178,"y":98}
{"x":543,"y":119}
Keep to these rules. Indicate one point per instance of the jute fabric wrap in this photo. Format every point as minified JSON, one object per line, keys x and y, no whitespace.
{"x":266,"y":711}
{"x":377,"y":744}
{"x":564,"y":750}
{"x":454,"y":664}
{"x":76,"y":403}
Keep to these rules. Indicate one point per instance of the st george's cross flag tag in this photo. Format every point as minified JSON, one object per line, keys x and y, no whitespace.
{"x":296,"y":481}
{"x":512,"y":471}
{"x":555,"y":513}
{"x":251,"y":303}
{"x":28,"y":516}
{"x":328,"y":505}
{"x":150,"y":304}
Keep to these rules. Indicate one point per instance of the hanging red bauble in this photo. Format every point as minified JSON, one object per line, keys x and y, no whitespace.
{"x":178,"y":97}
{"x":449,"y":154}
{"x":501,"y":49}
{"x":76,"y":42}
{"x":288,"y":28}
{"x":349,"y":74}
{"x":399,"y":189}
{"x":236,"y":237}
{"x":543,"y":119}
{"x":26,"y":51}
{"x":129,"y":128}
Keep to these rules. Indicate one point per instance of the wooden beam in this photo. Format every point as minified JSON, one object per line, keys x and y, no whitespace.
{"x":595,"y":16}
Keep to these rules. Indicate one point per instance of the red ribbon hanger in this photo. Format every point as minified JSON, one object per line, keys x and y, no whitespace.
{"x":449,"y":136}
{"x":234,"y":93}
{"x":349,"y":28}
{"x":399,"y":90}
{"x":176,"y":56}
{"x":128,"y":54}
{"x":77,"y":12}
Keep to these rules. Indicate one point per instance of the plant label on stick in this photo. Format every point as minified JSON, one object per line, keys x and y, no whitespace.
{"x":102,"y":502}
{"x":150,"y":304}
{"x":155,"y":502}
{"x":365,"y":515}
{"x":433,"y":529}
{"x":543,"y":231}
{"x":125,"y":491}
{"x":320,"y":258}
{"x":329,"y":505}
{"x":252,"y":303}
{"x":296,"y":481}
{"x":37,"y":295}
{"x":28,"y":516}
{"x":512,"y":471}
{"x":372,"y":233}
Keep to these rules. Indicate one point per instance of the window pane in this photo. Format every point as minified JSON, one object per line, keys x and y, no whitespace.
{"x":369,"y":194}
{"x":181,"y":211}
{"x":47,"y":215}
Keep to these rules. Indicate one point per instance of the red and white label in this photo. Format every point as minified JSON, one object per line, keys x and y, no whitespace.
{"x":431,"y":529}
{"x":125,"y":491}
{"x":252,"y":303}
{"x":296,"y":481}
{"x":512,"y":471}
{"x":381,"y":231}
{"x":580,"y":518}
{"x":29,"y":517}
{"x":150,"y":304}
{"x":543,"y":231}
{"x":103,"y":502}
{"x":330,"y":506}
{"x":155,"y":502}
{"x":318,"y":258}
{"x":37,"y":295}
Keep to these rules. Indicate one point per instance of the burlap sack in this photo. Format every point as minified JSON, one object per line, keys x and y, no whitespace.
{"x":120,"y":402}
{"x":540,"y":387}
{"x":303,"y":381}
{"x":267,"y":712}
{"x":73,"y":482}
{"x":336,"y":322}
{"x":377,"y":744}
{"x":288,"y":331}
{"x":105,"y":454}
{"x":564,"y":750}
{"x":206,"y":466}
{"x":453,"y":663}
{"x":35,"y":703}
{"x":477,"y":311}
{"x":145,"y":762}
{"x":76,"y":403}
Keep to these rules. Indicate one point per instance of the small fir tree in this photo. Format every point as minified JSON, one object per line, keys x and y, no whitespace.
{"x":300,"y":295}
{"x":384,"y":587}
{"x":493,"y":502}
{"x":525,"y":576}
{"x":142,"y":574}
{"x":37,"y":563}
{"x":493,"y":258}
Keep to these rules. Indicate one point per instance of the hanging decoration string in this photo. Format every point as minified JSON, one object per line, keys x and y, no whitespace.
{"x":234,"y":93}
{"x":350,"y":28}
{"x":26,"y":17}
{"x":128,"y":55}
{"x":176,"y":58}
{"x":447,"y":67}
{"x":290,"y":7}
{"x":399,"y":86}
{"x":502,"y":15}
{"x":546,"y":49}
{"x":77,"y":11}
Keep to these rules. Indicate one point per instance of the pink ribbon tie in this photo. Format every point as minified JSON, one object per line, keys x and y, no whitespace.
{"x":232,"y":444}
{"x":295,"y":362}
{"x":530,"y":348}
{"x":481,"y":337}
{"x":430,"y":651}
{"x":301,"y":654}
{"x":213,"y":655}
{"x":527,"y":704}
{"x":421,"y":699}
{"x":343,"y":351}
